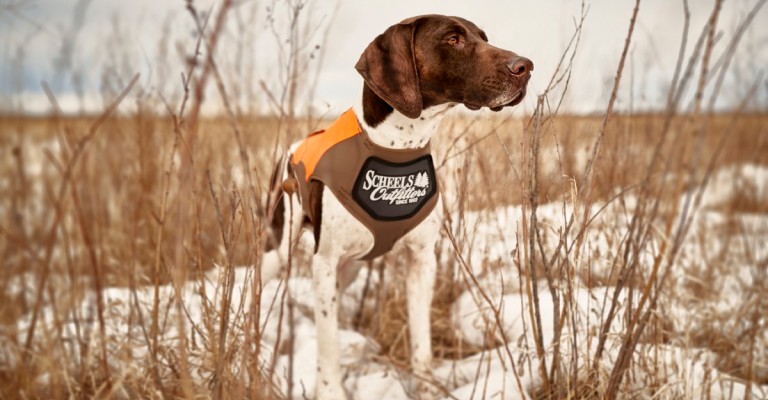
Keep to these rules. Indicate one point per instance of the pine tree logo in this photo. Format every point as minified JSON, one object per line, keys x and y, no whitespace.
{"x":422,"y":180}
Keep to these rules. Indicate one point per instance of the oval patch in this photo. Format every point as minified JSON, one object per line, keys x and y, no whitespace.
{"x":390,"y":191}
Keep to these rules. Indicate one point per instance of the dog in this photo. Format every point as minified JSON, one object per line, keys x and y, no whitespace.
{"x":367,"y":183}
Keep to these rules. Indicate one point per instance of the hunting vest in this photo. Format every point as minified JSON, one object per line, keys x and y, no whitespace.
{"x":390,"y":191}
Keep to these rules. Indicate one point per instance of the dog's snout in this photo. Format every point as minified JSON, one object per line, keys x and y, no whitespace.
{"x":520,"y":66}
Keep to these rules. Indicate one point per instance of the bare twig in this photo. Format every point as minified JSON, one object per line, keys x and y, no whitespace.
{"x":59,"y":207}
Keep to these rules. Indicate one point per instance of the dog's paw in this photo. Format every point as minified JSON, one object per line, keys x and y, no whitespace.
{"x":331,"y":391}
{"x":425,"y":388}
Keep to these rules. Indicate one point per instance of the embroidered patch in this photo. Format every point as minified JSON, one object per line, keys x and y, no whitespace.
{"x":390,"y":191}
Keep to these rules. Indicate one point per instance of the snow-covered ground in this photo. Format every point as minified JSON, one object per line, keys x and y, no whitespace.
{"x":714,"y":291}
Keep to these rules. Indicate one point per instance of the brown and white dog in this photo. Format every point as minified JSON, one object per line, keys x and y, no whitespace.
{"x":414,"y":72}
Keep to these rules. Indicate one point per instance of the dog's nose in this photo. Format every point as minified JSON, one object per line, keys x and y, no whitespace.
{"x":520,"y":66}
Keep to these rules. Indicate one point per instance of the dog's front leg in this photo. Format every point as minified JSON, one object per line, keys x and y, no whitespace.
{"x":325,"y":285}
{"x":420,"y":287}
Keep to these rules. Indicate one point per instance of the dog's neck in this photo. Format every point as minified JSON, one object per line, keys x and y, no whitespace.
{"x":389,"y":128}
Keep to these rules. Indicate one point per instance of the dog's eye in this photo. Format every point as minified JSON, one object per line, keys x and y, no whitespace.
{"x":454,"y":40}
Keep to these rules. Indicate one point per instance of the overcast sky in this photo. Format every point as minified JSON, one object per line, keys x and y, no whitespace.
{"x":102,"y":46}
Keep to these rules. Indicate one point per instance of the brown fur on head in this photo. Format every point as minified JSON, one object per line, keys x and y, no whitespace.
{"x":434,"y":59}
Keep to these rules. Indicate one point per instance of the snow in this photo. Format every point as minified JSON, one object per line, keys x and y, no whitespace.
{"x":496,"y":314}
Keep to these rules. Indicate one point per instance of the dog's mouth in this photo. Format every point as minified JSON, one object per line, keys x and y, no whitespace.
{"x":516,"y":99}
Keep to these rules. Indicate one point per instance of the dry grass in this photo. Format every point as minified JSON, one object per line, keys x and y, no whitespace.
{"x":117,"y":190}
{"x":628,"y":148}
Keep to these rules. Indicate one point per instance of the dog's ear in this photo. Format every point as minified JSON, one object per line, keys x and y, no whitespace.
{"x":388,"y":66}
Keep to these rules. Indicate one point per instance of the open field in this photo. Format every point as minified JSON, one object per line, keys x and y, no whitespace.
{"x":84,"y":243}
{"x":617,"y":255}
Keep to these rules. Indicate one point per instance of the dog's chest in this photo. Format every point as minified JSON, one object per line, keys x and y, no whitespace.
{"x":389,"y":191}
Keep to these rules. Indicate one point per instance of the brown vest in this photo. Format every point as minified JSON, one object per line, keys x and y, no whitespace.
{"x":390,"y":191}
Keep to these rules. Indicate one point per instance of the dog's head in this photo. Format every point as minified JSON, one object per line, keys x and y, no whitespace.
{"x":434,"y":59}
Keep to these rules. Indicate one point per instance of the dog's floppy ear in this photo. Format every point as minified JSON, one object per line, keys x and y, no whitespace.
{"x":388,"y":66}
